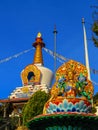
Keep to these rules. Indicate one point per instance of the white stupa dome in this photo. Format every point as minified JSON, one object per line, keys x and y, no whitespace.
{"x":46,"y":75}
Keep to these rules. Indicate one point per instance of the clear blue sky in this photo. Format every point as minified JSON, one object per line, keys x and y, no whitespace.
{"x":21,"y":20}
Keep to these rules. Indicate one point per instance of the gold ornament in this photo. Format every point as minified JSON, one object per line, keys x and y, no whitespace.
{"x":35,"y":70}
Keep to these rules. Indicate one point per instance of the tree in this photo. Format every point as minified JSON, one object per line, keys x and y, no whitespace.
{"x":95,"y":26}
{"x":95,"y":102}
{"x":34,"y":106}
{"x":95,"y":30}
{"x":1,"y":110}
{"x":94,"y":110}
{"x":9,"y":108}
{"x":95,"y":99}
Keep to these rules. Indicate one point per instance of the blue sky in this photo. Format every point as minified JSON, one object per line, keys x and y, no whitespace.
{"x":21,"y":20}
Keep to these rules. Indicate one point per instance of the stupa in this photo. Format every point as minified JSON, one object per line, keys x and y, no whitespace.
{"x":34,"y":77}
{"x":70,"y":105}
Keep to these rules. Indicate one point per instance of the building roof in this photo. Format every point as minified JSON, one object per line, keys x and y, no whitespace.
{"x":14,"y":100}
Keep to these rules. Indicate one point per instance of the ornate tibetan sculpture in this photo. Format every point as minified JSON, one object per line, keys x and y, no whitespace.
{"x":72,"y":91}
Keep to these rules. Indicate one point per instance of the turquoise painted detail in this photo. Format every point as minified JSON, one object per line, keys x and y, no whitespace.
{"x":64,"y":128}
{"x":66,"y":106}
{"x":70,"y":128}
{"x":75,"y":128}
{"x":59,"y":128}
{"x":61,"y":85}
{"x":80,"y":85}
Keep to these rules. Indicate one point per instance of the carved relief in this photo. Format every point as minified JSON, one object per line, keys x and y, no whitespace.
{"x":31,"y":74}
{"x":72,"y":81}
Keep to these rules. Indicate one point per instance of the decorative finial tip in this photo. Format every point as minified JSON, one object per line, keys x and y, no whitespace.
{"x":55,"y":31}
{"x":39,"y":35}
{"x":83,"y":21}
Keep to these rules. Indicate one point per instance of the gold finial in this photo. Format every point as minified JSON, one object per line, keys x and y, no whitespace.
{"x":38,"y":44}
{"x":39,"y":34}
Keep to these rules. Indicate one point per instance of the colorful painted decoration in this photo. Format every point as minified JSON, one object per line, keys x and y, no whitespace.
{"x":71,"y":89}
{"x":71,"y":78}
{"x":31,"y":74}
{"x":67,"y":105}
{"x":27,"y":91}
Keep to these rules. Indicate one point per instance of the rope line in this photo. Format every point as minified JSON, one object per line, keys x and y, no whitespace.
{"x":15,"y":56}
{"x":60,"y":58}
{"x":94,"y":83}
{"x":66,"y":59}
{"x":57,"y":55}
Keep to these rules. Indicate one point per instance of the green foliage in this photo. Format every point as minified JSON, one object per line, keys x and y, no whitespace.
{"x":94,"y":110}
{"x":95,"y":28}
{"x":1,"y":120}
{"x":95,"y":31}
{"x":95,"y":41}
{"x":95,"y":98}
{"x":14,"y":122}
{"x":95,"y":102}
{"x":34,"y":106}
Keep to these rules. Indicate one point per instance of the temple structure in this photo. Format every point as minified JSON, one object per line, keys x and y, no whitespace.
{"x":70,"y":105}
{"x":34,"y":77}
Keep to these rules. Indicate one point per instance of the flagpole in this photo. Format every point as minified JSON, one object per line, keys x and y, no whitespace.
{"x":55,"y":34}
{"x":86,"y":52}
{"x":86,"y":49}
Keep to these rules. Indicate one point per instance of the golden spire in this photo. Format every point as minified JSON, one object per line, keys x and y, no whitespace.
{"x":38,"y":44}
